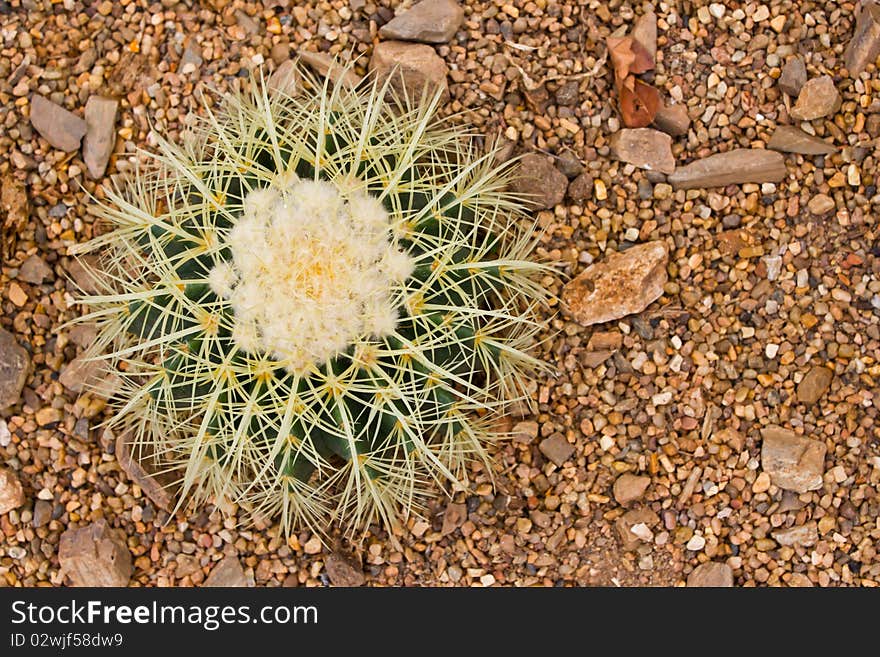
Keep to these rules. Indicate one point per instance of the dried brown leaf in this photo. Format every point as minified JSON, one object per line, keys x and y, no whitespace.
{"x":639,"y":103}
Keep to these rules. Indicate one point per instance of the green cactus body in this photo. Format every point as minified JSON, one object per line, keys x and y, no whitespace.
{"x":318,"y":307}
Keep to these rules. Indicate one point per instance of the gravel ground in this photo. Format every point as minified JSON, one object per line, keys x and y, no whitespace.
{"x":690,"y":382}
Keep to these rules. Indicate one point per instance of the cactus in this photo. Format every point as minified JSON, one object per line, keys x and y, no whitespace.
{"x":318,"y":304}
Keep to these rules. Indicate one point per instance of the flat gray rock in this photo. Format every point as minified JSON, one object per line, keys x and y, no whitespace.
{"x":62,"y":129}
{"x":429,"y":21}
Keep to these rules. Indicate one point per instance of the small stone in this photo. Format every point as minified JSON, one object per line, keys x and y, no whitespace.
{"x":453,"y":517}
{"x":326,"y":66}
{"x":343,"y":572}
{"x":736,"y":167}
{"x":42,"y":513}
{"x":34,"y":270}
{"x":569,"y":164}
{"x":622,"y":284}
{"x":540,"y":183}
{"x":629,"y":488}
{"x":429,"y":21}
{"x":62,"y":129}
{"x":581,"y":188}
{"x":625,"y":524}
{"x":11,"y":491}
{"x":773,"y":265}
{"x":778,"y":23}
{"x":17,"y":295}
{"x":762,"y":483}
{"x":789,"y":139}
{"x":156,"y":487}
{"x":313,"y":545}
{"x":717,"y":10}
{"x":793,"y":462}
{"x":100,"y":134}
{"x":864,"y":47}
{"x":285,"y":79}
{"x":228,"y":573}
{"x":95,"y":555}
{"x":673,"y":119}
{"x":14,"y":366}
{"x":794,"y":76}
{"x":821,"y":204}
{"x":818,"y":98}
{"x":556,"y":448}
{"x":415,"y":70}
{"x":14,"y":211}
{"x":48,"y":415}
{"x":89,"y":373}
{"x":645,"y":148}
{"x":814,"y":384}
{"x":803,"y":535}
{"x":696,"y":543}
{"x":713,"y":574}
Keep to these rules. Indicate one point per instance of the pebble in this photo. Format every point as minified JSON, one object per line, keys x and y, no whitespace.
{"x":157,"y":488}
{"x":95,"y":555}
{"x":414,"y":69}
{"x":342,"y":571}
{"x":621,"y":284}
{"x":644,"y":148}
{"x":821,"y":204}
{"x":63,"y":130}
{"x":228,"y":573}
{"x":814,"y":384}
{"x":539,"y":182}
{"x":11,"y":491}
{"x":629,"y":488}
{"x":100,"y":137}
{"x":794,"y":76}
{"x":696,"y":543}
{"x":557,"y":449}
{"x":818,"y":98}
{"x":711,"y":574}
{"x":14,"y":367}
{"x":794,"y":462}
{"x":673,"y":119}
{"x":804,"y":535}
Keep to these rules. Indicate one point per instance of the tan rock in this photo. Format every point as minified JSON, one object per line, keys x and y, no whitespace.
{"x":644,"y":32}
{"x":429,"y":21}
{"x":453,"y":517}
{"x":742,"y":165}
{"x":645,"y":148}
{"x":343,"y":571}
{"x":804,"y":535}
{"x":629,"y":488}
{"x":95,"y":555}
{"x":673,"y":119}
{"x":228,"y":573}
{"x":413,"y":68}
{"x":62,"y":129}
{"x":89,"y":373}
{"x":713,"y":574}
{"x":638,"y":519}
{"x":864,"y":47}
{"x":821,"y":204}
{"x":34,"y":270}
{"x":622,"y":284}
{"x":818,"y":98}
{"x":100,"y":136}
{"x":814,"y":384}
{"x":556,"y":448}
{"x":11,"y":491}
{"x":789,"y":139}
{"x":540,"y":184}
{"x":794,"y":462}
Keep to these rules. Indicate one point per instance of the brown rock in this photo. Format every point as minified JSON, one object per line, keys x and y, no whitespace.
{"x":794,"y":76}
{"x":742,"y":165}
{"x":864,"y":46}
{"x":581,"y":188}
{"x":821,"y":204}
{"x":83,"y":272}
{"x":634,"y":519}
{"x":14,"y":366}
{"x":814,"y":384}
{"x":713,"y":574}
{"x":14,"y":211}
{"x":100,"y":134}
{"x":595,"y":358}
{"x":429,"y":21}
{"x":644,"y":32}
{"x":95,"y":555}
{"x":34,"y":270}
{"x":42,"y":513}
{"x":818,"y":98}
{"x":629,"y":488}
{"x":328,"y":67}
{"x":601,"y":340}
{"x":673,"y":119}
{"x":540,"y":183}
{"x":62,"y":129}
{"x":804,"y":535}
{"x":622,"y":284}
{"x":789,"y":139}
{"x":525,"y":432}
{"x":413,"y":68}
{"x":154,"y":486}
{"x":343,"y":572}
{"x":793,"y":462}
{"x":87,"y":373}
{"x":228,"y":573}
{"x":556,"y":448}
{"x":11,"y":492}
{"x":645,"y":148}
{"x":285,"y":79}
{"x":453,"y":517}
